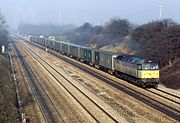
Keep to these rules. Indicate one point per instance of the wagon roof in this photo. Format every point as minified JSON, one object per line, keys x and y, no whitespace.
{"x":75,"y":45}
{"x":106,"y":52}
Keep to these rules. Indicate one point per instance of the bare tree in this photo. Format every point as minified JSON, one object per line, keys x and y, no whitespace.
{"x":118,"y":27}
{"x":160,"y":40}
{"x":3,"y":32}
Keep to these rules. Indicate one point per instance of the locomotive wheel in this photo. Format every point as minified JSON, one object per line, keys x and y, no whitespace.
{"x":156,"y":86}
{"x":143,"y":85}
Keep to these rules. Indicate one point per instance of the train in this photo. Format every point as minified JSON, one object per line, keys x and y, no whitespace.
{"x":137,"y":70}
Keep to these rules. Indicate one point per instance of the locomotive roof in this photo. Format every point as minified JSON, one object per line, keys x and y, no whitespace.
{"x":134,"y":59}
{"x":131,"y":59}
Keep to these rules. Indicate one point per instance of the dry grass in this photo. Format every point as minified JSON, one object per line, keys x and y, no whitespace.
{"x":170,"y":75}
{"x":118,"y":48}
{"x":8,"y":110}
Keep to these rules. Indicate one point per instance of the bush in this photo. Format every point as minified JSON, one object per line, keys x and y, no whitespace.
{"x":160,"y":39}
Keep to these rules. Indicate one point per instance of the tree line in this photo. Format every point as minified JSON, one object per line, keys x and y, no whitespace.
{"x":43,"y":29}
{"x":112,"y":32}
{"x":3,"y":32}
{"x":160,"y":39}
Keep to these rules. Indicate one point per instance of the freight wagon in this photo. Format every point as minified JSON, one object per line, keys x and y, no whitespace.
{"x":137,"y":70}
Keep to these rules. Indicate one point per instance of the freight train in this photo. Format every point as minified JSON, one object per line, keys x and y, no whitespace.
{"x":137,"y":70}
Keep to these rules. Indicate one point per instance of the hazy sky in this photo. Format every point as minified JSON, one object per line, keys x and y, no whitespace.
{"x":79,"y":11}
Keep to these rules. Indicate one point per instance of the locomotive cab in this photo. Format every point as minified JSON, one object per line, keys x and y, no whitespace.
{"x":137,"y":70}
{"x":149,"y":73}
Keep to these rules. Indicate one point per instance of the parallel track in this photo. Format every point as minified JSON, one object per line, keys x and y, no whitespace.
{"x":161,"y":106}
{"x":44,"y":102}
{"x":163,"y":96}
{"x":34,"y":55}
{"x":173,"y":95}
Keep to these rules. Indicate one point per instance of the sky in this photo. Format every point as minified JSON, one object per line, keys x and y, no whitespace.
{"x":77,"y":12}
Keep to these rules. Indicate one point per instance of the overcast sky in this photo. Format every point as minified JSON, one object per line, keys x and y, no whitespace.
{"x":79,"y":11}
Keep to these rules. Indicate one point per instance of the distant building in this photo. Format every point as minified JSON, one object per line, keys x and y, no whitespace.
{"x":3,"y":49}
{"x":29,"y":36}
{"x":41,"y":36}
{"x":51,"y":37}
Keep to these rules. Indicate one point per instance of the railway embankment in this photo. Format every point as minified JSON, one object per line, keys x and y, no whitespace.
{"x":170,"y":75}
{"x":8,"y":109}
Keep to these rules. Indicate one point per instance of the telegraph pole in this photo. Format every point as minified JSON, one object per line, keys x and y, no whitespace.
{"x":101,"y":21}
{"x":160,"y":11}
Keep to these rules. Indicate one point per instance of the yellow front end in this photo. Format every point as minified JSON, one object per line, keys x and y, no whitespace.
{"x":148,"y":74}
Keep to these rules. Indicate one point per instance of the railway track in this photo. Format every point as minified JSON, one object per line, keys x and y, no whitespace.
{"x":161,"y":106}
{"x":163,"y":94}
{"x":105,"y":116}
{"x":48,"y":109}
{"x":173,"y":95}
